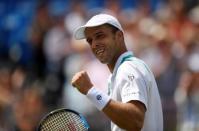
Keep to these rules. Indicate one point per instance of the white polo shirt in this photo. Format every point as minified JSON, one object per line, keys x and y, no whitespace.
{"x":133,"y":80}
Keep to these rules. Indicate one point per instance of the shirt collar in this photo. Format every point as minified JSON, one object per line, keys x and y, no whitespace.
{"x":121,"y":59}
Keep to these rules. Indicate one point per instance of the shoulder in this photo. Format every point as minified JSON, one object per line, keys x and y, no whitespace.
{"x":131,"y":65}
{"x":125,"y":69}
{"x":135,"y":66}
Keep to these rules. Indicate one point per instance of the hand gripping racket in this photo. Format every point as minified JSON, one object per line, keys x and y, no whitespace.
{"x":63,"y":120}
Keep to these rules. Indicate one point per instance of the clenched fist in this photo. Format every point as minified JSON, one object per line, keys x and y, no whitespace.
{"x":82,"y":82}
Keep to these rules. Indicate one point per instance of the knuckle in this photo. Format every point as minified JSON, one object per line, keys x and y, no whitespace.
{"x":83,"y":72}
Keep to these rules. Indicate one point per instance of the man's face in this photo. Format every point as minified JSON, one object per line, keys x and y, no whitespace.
{"x":103,"y":42}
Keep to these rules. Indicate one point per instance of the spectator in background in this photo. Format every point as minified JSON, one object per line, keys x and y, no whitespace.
{"x":167,"y":82}
{"x":6,"y":95}
{"x":28,"y":109}
{"x":187,"y":97}
{"x":179,"y":26}
{"x":41,"y":24}
{"x":75,"y":17}
{"x":11,"y":82}
{"x":187,"y":93}
{"x":56,"y":48}
{"x":113,"y":7}
{"x":194,"y":17}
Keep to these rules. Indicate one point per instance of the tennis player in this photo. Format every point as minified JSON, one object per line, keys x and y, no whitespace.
{"x":133,"y":102}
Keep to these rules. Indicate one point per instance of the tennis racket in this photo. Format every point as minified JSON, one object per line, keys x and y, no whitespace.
{"x":63,"y":120}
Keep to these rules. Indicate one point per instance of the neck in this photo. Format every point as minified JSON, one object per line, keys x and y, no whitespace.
{"x":111,"y":65}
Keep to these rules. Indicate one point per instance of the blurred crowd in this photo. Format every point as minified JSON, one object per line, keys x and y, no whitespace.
{"x":38,"y":56}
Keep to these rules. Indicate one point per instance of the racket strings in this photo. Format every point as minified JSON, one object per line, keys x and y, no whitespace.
{"x":63,"y":121}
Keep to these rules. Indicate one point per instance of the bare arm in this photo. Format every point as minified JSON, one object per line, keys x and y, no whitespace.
{"x":128,"y":116}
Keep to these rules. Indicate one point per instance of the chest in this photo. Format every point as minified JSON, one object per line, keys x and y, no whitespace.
{"x":114,"y":90}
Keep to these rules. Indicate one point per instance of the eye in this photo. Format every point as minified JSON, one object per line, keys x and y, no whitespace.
{"x":89,"y":41}
{"x":100,"y":36}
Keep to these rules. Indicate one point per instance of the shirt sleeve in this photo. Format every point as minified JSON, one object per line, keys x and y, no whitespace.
{"x":132,"y":85}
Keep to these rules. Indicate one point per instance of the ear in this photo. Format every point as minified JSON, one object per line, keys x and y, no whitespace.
{"x":120,"y":35}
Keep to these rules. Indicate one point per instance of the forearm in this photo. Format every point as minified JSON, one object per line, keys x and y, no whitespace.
{"x":126,"y":115}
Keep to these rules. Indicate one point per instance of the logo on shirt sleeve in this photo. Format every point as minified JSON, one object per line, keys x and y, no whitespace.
{"x":131,"y":77}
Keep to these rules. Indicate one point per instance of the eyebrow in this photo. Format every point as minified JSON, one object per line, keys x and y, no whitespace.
{"x":98,"y":32}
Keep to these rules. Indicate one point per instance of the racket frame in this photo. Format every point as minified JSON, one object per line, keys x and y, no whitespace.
{"x":84,"y":121}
